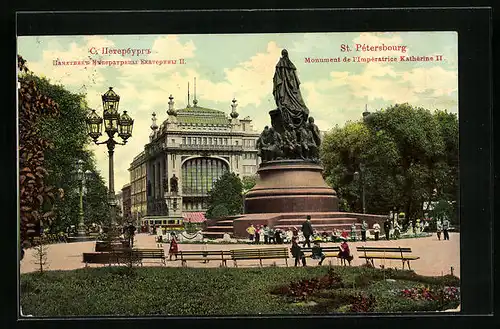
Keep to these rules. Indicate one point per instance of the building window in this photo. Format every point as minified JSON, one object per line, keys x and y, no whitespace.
{"x":199,"y":140}
{"x":209,"y":140}
{"x":184,"y":140}
{"x":204,"y":141}
{"x":215,"y":141}
{"x":236,"y":143}
{"x":225,"y":141}
{"x":189,"y":140}
{"x":199,"y":174}
{"x":220,"y":141}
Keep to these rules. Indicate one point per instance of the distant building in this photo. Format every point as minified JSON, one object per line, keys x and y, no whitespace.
{"x":197,"y":145}
{"x":119,"y":203}
{"x":126,"y":202}
{"x":138,"y":200}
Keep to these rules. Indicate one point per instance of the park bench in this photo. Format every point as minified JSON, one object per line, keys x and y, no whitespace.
{"x":109,"y":258}
{"x":205,"y":255}
{"x":150,"y":254}
{"x":260,"y":254}
{"x":106,"y":246}
{"x":123,"y":256}
{"x":371,"y":253}
{"x":328,"y":251}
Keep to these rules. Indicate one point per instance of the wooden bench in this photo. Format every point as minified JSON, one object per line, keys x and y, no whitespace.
{"x":328,"y":251}
{"x":371,"y":253}
{"x":106,"y":246}
{"x":260,"y":254}
{"x":205,"y":255}
{"x":109,"y":258}
{"x":150,"y":254}
{"x":123,"y":256}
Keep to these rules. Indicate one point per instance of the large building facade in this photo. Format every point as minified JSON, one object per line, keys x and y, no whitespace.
{"x":196,"y":145}
{"x":126,"y":202}
{"x":138,"y":198}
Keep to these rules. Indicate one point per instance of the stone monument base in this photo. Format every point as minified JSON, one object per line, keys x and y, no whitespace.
{"x":290,"y":186}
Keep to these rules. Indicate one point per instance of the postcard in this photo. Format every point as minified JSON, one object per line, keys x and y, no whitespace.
{"x":238,"y":174}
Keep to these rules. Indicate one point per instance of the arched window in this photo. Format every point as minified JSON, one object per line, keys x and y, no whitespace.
{"x":199,"y":174}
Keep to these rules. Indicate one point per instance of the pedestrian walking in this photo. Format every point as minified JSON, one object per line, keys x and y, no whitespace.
{"x":364,"y":227}
{"x":174,"y":248}
{"x":307,"y":230}
{"x":446,"y":227}
{"x":439,"y":229}
{"x":376,"y":230}
{"x":297,"y":253}
{"x":387,"y":228}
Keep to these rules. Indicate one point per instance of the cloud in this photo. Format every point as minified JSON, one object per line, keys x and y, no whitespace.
{"x":334,"y":94}
{"x":80,"y":76}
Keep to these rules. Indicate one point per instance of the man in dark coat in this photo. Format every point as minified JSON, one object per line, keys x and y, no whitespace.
{"x":387,"y":228}
{"x":307,"y":230}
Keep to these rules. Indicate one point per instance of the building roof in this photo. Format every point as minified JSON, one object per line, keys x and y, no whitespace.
{"x":201,"y":115}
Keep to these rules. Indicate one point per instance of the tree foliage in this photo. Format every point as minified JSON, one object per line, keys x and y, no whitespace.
{"x":226,"y":197}
{"x":404,"y":156}
{"x":36,"y":196}
{"x":248,"y":182}
{"x":68,"y":140}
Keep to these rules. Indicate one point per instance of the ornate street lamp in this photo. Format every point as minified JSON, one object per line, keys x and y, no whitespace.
{"x":82,"y":177}
{"x":113,"y":123}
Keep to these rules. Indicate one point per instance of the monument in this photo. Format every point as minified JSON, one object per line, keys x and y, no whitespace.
{"x":290,"y":173}
{"x":290,"y":184}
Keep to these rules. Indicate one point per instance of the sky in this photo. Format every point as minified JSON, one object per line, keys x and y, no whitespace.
{"x":242,"y":66}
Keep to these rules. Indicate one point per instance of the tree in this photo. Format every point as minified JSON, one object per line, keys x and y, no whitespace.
{"x":409,"y":157}
{"x":36,"y":196}
{"x":248,"y":182}
{"x":226,"y":197}
{"x":69,"y":140}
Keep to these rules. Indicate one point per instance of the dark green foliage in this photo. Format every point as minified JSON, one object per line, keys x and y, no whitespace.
{"x":410,"y":156}
{"x":214,"y":291}
{"x":67,"y":134}
{"x":36,"y":196}
{"x":226,"y":197}
{"x":249,"y":182}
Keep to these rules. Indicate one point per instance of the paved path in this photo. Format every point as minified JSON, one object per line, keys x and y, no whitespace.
{"x":436,"y":257}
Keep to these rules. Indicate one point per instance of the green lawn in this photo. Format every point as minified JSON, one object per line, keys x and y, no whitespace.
{"x":214,"y":291}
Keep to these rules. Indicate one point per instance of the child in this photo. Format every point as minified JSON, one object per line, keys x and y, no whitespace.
{"x":174,"y":249}
{"x":317,"y":252}
{"x":297,"y":253}
{"x":345,"y":253}
{"x":251,"y":232}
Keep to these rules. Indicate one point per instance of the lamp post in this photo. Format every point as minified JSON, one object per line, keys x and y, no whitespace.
{"x":113,"y":123}
{"x":82,"y":179}
{"x":359,"y":175}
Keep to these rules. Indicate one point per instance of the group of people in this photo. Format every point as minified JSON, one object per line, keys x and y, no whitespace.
{"x":443,"y":226}
{"x":317,"y":252}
